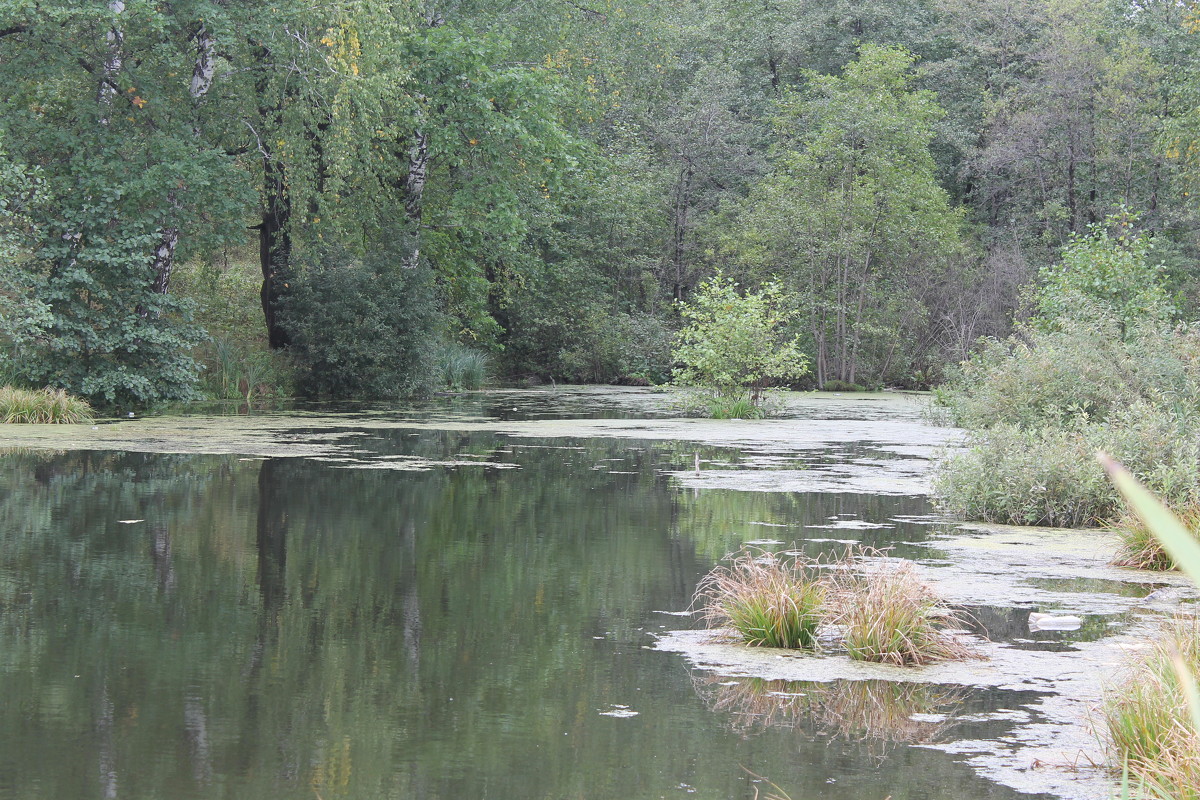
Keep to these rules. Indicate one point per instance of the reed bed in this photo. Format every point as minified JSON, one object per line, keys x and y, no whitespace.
{"x":42,"y":406}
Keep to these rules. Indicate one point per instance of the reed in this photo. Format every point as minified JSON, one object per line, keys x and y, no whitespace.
{"x":42,"y":406}
{"x":1149,"y":719}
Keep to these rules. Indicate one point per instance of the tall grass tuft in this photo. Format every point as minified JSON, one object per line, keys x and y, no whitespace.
{"x":461,"y":368}
{"x":42,"y":406}
{"x":1153,"y":721}
{"x":889,"y":615}
{"x":769,"y":599}
{"x":1149,"y":719}
{"x":1141,"y":549}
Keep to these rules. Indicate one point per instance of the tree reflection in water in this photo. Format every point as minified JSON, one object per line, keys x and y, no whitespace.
{"x":878,"y":712}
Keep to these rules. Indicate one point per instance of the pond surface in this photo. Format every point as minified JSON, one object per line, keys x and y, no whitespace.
{"x":430,"y":604}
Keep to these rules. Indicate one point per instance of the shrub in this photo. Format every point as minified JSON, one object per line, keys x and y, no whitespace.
{"x":42,"y":406}
{"x":361,"y":329}
{"x":1043,"y":402}
{"x":888,"y":615}
{"x":769,"y":599}
{"x":735,"y":344}
{"x":842,"y":386}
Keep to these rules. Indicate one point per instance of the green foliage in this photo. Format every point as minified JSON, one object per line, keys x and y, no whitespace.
{"x":852,"y":213}
{"x":23,"y":315}
{"x":42,"y":406}
{"x":770,"y":600}
{"x":735,"y":344}
{"x":1108,"y":268}
{"x":738,"y":408}
{"x":1041,"y":404}
{"x":460,"y":368}
{"x":236,"y":361}
{"x":842,"y":386}
{"x":361,"y":329}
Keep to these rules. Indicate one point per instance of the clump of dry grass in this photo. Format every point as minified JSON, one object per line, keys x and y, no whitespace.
{"x":770,"y":599}
{"x":1149,"y":720}
{"x":1141,"y":549}
{"x":879,"y":607}
{"x":42,"y":406}
{"x":887,"y":614}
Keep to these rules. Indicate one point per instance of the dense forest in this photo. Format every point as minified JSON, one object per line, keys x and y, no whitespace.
{"x":355,"y":198}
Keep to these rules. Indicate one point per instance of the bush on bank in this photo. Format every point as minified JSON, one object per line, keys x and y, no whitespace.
{"x":1042,"y":403}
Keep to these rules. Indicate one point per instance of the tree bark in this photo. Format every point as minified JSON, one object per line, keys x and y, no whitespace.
{"x":274,"y":248}
{"x":414,"y":188}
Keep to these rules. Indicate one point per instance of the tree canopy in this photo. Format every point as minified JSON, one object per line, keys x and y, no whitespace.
{"x":558,"y":174}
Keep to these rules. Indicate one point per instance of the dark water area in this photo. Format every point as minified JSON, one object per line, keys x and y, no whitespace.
{"x":212,"y":626}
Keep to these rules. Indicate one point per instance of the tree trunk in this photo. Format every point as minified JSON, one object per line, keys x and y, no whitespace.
{"x":274,"y":249}
{"x":414,"y":188}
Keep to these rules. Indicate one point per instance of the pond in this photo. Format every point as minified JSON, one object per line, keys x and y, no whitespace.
{"x":486,"y":597}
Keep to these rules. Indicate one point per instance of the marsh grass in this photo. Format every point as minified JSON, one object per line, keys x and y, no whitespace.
{"x":740,"y":408}
{"x":42,"y":406}
{"x":461,"y":368}
{"x":1149,"y":720}
{"x":887,"y":614}
{"x":770,"y":599}
{"x":1141,"y":549}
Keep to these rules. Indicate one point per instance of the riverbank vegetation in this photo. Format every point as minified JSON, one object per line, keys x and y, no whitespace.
{"x":207,"y":199}
{"x":874,"y":608}
{"x":1105,"y":364}
{"x":42,"y":406}
{"x":1153,"y":718}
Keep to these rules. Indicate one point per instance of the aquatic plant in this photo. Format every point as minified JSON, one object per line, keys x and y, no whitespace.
{"x":887,"y":614}
{"x":1140,"y":548}
{"x":42,"y":406}
{"x":770,"y":599}
{"x":461,"y":368}
{"x":739,"y":408}
{"x":1149,"y":718}
{"x":1153,"y":718}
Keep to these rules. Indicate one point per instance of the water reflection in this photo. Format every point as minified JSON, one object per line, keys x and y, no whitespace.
{"x":884,"y":713}
{"x":291,"y":628}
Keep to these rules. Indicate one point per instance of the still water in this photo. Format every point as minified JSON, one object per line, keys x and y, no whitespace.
{"x":200,"y":626}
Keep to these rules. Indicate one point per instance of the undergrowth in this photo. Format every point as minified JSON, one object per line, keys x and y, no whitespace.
{"x":1040,"y":404}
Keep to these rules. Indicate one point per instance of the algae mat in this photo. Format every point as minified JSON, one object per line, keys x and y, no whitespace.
{"x":878,"y":443}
